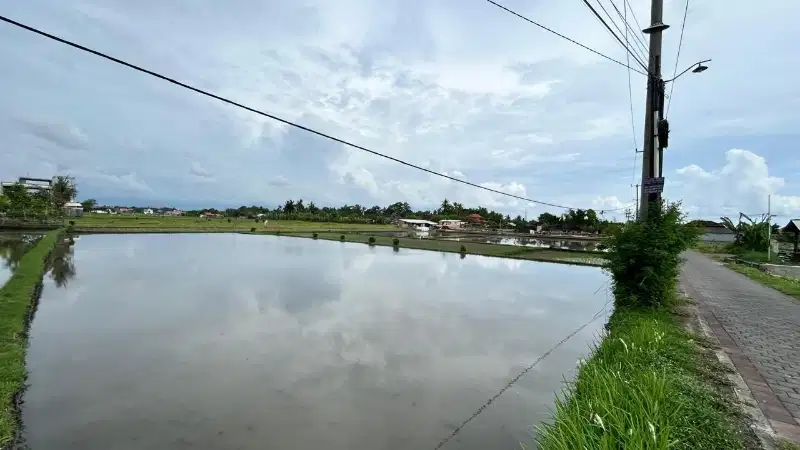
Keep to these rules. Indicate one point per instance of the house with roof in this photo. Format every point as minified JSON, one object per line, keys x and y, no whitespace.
{"x":415,"y":223}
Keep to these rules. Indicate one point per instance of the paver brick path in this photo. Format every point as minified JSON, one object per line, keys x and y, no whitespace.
{"x":759,"y":328}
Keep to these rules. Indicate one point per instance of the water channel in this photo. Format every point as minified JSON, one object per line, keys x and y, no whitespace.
{"x":262,"y":342}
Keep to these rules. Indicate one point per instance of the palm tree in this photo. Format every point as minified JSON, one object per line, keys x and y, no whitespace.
{"x":64,"y":190}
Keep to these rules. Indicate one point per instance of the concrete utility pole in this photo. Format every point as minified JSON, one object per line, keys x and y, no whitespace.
{"x":652,"y":159}
{"x":769,"y":227}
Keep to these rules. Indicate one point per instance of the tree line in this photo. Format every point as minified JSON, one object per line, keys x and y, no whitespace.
{"x":18,"y":201}
{"x":575,"y":219}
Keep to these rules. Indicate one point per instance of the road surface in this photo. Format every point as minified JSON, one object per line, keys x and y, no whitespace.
{"x":759,"y":328}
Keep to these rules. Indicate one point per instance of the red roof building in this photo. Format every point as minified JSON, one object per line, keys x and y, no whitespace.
{"x":474,"y":218}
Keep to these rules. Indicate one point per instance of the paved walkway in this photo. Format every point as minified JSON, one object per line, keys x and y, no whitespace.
{"x":759,"y":328}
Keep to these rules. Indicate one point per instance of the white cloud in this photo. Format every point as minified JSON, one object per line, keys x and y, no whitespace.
{"x":743,"y":184}
{"x":458,"y":87}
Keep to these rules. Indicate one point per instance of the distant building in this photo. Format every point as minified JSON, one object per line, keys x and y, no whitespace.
{"x":714,"y":231}
{"x":450,"y":224}
{"x":31,"y":184}
{"x":474,"y":218}
{"x":414,"y":223}
{"x":209,"y":215}
{"x":174,"y":212}
{"x":125,"y":210}
{"x":73,"y":209}
{"x":148,"y":211}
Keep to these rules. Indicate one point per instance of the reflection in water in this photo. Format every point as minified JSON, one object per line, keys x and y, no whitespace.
{"x":254,"y":342}
{"x":61,"y":264}
{"x":13,"y":247}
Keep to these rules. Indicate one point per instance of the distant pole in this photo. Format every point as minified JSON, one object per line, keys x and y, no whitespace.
{"x":769,"y":227}
{"x":651,"y":156}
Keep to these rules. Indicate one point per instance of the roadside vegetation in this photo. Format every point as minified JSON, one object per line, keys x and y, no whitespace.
{"x":788,"y":286}
{"x":650,"y":384}
{"x":18,"y":299}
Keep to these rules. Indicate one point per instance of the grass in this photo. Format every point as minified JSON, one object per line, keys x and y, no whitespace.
{"x":788,"y":286}
{"x":17,"y":298}
{"x":483,"y":249}
{"x":787,"y":445}
{"x":648,"y":385}
{"x":152,"y":224}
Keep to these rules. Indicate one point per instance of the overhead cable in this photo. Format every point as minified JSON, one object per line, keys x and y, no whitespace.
{"x":677,"y":57}
{"x":627,"y":49}
{"x":510,"y":11}
{"x":279,"y":119}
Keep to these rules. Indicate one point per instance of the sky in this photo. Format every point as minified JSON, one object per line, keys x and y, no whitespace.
{"x":456,"y":86}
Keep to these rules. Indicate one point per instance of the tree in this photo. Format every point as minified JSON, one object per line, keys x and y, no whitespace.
{"x":288,"y":208}
{"x":64,"y":190}
{"x":89,"y":204}
{"x":752,"y":235}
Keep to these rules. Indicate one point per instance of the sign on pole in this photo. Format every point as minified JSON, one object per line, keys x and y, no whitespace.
{"x":653,"y":185}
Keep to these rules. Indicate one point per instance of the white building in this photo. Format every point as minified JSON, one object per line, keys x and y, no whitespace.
{"x":148,"y":211}
{"x":415,"y":223}
{"x":452,"y":224}
{"x":73,"y":209}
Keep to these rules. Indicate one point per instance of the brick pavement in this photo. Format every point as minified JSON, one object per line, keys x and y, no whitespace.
{"x":759,"y":329}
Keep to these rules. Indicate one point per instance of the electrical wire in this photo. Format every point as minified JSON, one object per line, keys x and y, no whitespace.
{"x":276,"y":118}
{"x":638,"y":51}
{"x":677,"y":57}
{"x":630,"y":98}
{"x":627,"y":49}
{"x":510,"y":11}
{"x":637,"y":36}
{"x":635,"y":19}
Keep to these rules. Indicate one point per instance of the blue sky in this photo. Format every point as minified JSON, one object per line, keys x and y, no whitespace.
{"x":456,"y":86}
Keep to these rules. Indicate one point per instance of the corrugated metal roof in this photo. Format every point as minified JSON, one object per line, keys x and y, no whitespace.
{"x":419,"y":221}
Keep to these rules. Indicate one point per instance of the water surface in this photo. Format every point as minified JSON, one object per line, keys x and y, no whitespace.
{"x":264,"y":342}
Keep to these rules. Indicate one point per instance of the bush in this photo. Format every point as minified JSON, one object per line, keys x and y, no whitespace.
{"x":72,"y":223}
{"x":315,"y":235}
{"x":253,"y":229}
{"x":395,"y":242}
{"x":229,"y":220}
{"x":644,"y":258}
{"x":371,"y":240}
{"x":341,"y":238}
{"x":463,"y":249}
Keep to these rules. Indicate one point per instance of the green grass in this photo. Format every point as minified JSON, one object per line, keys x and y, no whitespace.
{"x":787,"y":445}
{"x":150,"y":224}
{"x":714,"y":247}
{"x":15,"y":303}
{"x":648,"y":385}
{"x":473,"y":248}
{"x":788,"y":286}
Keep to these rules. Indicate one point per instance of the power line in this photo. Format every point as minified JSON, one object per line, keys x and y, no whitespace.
{"x":596,"y":14}
{"x":636,"y":50}
{"x":677,"y":57}
{"x":524,"y":371}
{"x":276,"y":118}
{"x":635,"y":19}
{"x":637,"y":36}
{"x":630,"y":98}
{"x":564,"y":37}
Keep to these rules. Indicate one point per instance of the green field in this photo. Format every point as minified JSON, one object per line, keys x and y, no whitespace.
{"x":17,"y":297}
{"x":472,"y":248}
{"x":151,"y":224}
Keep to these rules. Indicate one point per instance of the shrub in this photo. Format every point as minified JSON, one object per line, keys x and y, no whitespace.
{"x":372,"y":240}
{"x":341,"y":238}
{"x":395,"y":242}
{"x":644,"y":258}
{"x":463,"y":249}
{"x":229,"y":220}
{"x":72,"y":223}
{"x":253,"y":229}
{"x":315,"y":235}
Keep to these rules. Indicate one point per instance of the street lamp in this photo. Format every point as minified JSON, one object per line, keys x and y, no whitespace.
{"x":697,"y":67}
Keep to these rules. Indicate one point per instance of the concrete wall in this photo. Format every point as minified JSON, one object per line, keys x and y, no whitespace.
{"x":718,"y":237}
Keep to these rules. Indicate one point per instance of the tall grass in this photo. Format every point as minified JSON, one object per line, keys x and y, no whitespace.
{"x":17,"y":298}
{"x":645,"y":387}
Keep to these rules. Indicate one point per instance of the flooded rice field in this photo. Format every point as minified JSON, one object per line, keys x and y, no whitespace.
{"x":556,"y":243}
{"x":263,"y":342}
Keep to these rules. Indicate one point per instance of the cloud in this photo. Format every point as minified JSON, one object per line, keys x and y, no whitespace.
{"x":198,"y":171}
{"x":454,"y":87}
{"x":743,"y":184}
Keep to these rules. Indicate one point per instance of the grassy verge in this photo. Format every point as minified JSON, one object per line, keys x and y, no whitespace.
{"x":153,"y":224}
{"x":788,"y":286}
{"x":472,"y":248}
{"x":648,"y":385}
{"x":18,"y":299}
